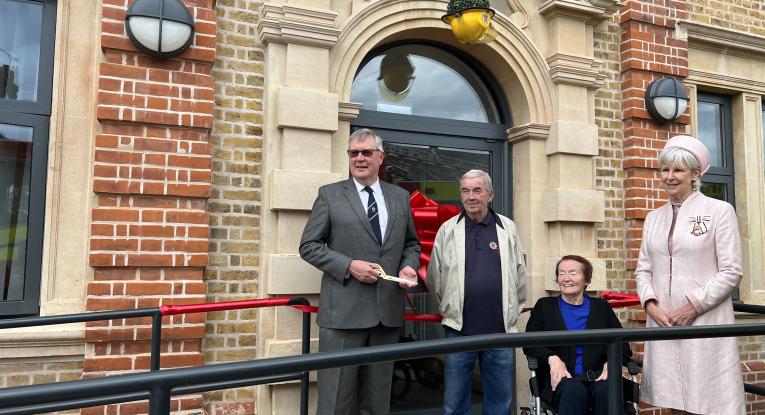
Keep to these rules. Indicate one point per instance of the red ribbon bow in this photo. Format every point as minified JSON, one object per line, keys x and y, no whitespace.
{"x":428,"y":217}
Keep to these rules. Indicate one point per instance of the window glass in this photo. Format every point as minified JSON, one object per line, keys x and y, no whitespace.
{"x":15,"y":175}
{"x":423,"y":80}
{"x":434,"y":171}
{"x":711,"y":130}
{"x":715,"y":190}
{"x":20,"y":24}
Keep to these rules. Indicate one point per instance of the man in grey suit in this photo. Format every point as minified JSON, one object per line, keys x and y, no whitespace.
{"x":358,"y":226}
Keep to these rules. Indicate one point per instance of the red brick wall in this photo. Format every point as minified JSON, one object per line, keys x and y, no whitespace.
{"x":152,"y":174}
{"x":650,"y":50}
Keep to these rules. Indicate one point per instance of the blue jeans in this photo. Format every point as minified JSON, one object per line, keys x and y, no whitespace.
{"x":497,"y":374}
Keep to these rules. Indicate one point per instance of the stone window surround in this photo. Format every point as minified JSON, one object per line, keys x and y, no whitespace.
{"x":65,"y":269}
{"x":743,"y":57}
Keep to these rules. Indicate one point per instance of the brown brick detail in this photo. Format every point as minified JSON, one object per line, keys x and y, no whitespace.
{"x":649,"y":50}
{"x":152,"y":175}
{"x":235,"y":204}
{"x":149,"y":231}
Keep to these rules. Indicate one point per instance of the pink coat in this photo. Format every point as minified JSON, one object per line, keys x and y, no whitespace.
{"x":701,"y":376}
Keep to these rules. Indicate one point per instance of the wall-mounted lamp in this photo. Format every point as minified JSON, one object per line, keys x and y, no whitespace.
{"x":161,"y":28}
{"x":470,"y":20}
{"x":666,"y":99}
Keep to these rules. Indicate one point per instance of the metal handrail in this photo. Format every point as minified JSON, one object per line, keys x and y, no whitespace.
{"x":156,"y":314}
{"x":163,"y":384}
{"x":748,"y":308}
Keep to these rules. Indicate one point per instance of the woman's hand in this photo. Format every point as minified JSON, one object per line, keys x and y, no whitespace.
{"x":558,"y":371}
{"x":684,"y":315}
{"x":604,"y":373}
{"x":657,"y":314}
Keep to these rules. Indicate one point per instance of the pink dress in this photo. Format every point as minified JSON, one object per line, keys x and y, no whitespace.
{"x":701,"y":376}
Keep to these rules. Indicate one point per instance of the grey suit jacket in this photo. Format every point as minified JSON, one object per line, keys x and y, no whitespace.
{"x":337,"y":232}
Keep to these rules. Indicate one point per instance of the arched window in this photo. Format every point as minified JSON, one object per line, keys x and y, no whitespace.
{"x":439,"y":114}
{"x":419,"y":79}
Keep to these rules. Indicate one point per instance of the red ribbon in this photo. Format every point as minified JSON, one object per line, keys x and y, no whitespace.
{"x":620,"y":299}
{"x":428,"y":217}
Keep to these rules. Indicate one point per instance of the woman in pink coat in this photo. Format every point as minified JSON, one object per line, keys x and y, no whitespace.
{"x":689,"y":264}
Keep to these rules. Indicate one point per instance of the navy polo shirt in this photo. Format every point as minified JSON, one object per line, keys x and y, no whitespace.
{"x":482,"y":312}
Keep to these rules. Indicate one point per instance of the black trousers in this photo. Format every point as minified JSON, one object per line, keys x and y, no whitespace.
{"x":574,"y":397}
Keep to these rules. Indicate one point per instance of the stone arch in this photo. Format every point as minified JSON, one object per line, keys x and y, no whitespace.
{"x":511,"y":58}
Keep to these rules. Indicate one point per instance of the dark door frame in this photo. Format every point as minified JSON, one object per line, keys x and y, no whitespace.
{"x":412,"y":129}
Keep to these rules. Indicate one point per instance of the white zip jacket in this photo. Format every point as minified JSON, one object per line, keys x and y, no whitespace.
{"x":446,"y":271}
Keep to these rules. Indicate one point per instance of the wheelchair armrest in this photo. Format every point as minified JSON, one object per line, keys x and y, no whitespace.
{"x":533,"y":383}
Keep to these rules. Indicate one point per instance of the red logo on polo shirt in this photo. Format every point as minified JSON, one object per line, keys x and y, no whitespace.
{"x":493,"y":245}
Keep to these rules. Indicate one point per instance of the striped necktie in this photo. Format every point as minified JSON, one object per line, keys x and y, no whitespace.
{"x":373,"y":214}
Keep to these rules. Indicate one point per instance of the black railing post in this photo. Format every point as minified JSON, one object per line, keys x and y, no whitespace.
{"x":615,"y":398}
{"x":159,"y":400}
{"x":156,"y":339}
{"x":306,"y":349}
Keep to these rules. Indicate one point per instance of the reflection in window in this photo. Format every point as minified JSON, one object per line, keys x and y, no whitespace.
{"x":423,"y":80}
{"x":715,"y":131}
{"x":715,"y":190}
{"x":434,"y":171}
{"x":15,"y":174}
{"x":710,"y":131}
{"x":20,"y":24}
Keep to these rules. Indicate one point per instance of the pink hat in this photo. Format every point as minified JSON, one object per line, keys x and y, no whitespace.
{"x":694,"y":146}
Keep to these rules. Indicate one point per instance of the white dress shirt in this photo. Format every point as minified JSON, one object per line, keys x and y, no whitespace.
{"x":379,"y":198}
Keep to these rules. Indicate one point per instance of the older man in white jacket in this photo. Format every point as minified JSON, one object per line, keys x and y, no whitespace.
{"x":478,"y":275}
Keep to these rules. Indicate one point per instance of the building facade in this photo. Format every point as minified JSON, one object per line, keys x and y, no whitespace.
{"x":129,"y":181}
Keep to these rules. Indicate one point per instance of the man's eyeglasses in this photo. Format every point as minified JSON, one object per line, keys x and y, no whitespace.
{"x":366,"y":153}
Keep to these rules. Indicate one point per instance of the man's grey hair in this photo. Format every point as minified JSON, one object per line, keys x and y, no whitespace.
{"x":362,"y":134}
{"x":682,"y":158}
{"x":475,"y":174}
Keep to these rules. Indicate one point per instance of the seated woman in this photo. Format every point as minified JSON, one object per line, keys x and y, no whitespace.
{"x":573,"y":378}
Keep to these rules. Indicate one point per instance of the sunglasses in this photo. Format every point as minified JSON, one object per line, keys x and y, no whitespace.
{"x":365,"y":153}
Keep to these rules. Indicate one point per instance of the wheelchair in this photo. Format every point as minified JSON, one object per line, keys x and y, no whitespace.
{"x":537,"y":406}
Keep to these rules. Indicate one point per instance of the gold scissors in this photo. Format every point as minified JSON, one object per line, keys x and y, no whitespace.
{"x":385,"y":276}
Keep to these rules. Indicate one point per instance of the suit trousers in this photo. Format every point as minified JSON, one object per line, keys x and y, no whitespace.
{"x":352,"y":390}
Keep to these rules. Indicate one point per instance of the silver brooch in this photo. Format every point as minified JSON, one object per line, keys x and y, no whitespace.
{"x":700,"y":225}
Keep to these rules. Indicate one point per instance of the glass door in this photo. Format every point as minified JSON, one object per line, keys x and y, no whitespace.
{"x":433,"y":163}
{"x":440,"y":114}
